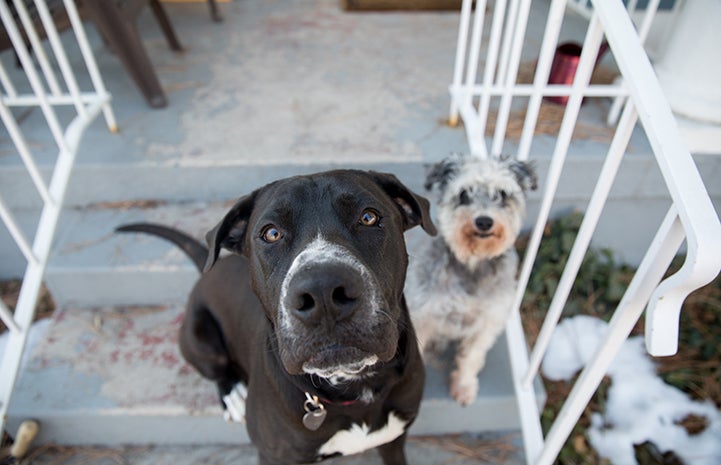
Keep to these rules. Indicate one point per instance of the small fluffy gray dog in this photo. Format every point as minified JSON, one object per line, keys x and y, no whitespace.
{"x":461,"y":284}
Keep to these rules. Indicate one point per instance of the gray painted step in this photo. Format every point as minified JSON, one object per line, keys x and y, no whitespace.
{"x":94,"y":209}
{"x":114,"y":376}
{"x":92,"y":266}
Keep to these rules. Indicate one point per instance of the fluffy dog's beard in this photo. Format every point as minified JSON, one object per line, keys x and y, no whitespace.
{"x":481,"y":244}
{"x":470,"y":246}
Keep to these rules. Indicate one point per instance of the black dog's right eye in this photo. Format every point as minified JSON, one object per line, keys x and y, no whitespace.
{"x":369,"y":218}
{"x":464,"y":198}
{"x":271,"y":234}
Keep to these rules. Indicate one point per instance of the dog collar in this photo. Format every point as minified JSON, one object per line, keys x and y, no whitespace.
{"x":324,"y":401}
{"x":344,"y":403}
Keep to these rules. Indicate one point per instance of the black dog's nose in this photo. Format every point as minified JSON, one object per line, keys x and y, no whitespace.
{"x":484,"y":223}
{"x":329,"y":290}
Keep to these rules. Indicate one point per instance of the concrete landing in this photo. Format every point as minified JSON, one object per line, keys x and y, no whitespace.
{"x":115,"y":376}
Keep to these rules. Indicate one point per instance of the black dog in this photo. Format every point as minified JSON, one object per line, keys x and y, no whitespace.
{"x":308,"y":320}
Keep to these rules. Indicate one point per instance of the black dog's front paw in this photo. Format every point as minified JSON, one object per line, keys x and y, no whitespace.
{"x":234,"y":404}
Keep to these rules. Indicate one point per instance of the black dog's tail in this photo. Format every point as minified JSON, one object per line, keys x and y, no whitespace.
{"x":191,"y":246}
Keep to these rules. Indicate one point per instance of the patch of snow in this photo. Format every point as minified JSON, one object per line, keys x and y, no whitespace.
{"x":640,"y":406}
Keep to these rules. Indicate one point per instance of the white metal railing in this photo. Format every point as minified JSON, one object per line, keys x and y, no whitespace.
{"x":691,"y":216}
{"x":46,"y":93}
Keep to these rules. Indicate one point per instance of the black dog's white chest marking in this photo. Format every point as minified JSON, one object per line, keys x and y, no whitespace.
{"x":359,"y":437}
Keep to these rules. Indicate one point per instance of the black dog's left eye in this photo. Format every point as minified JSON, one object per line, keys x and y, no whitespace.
{"x":271,"y":234}
{"x":369,"y":218}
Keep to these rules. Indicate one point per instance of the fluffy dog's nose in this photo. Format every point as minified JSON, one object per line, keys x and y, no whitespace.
{"x":324,"y":291}
{"x":484,"y":223}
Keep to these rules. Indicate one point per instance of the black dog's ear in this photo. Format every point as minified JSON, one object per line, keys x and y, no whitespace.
{"x":414,"y":208}
{"x":230,"y":232}
{"x":443,"y":171}
{"x":525,"y":173}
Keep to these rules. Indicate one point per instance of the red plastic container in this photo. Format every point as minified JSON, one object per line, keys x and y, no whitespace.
{"x":563,"y":68}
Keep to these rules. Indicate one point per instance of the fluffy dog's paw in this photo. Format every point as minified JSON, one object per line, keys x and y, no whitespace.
{"x":235,"y":404}
{"x":463,"y":389}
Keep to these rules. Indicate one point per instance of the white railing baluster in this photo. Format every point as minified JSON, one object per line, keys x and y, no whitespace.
{"x":540,"y":79}
{"x":648,"y":18}
{"x":472,"y":66}
{"x":631,"y":6}
{"x":24,"y":152}
{"x":526,"y":398}
{"x":474,"y":52}
{"x":476,"y":34}
{"x":494,"y":44}
{"x":581,"y":7}
{"x":90,"y":64}
{"x":511,"y":73}
{"x":27,"y":63}
{"x":60,"y":56}
{"x":8,"y":319}
{"x":16,"y":233}
{"x":511,"y":17}
{"x":7,"y":84}
{"x":37,"y":47}
{"x":583,"y":76}
{"x":643,"y":31}
{"x":460,"y":60}
{"x":583,"y":239}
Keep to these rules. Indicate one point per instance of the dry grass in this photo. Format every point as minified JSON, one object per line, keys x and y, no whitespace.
{"x":549,"y":122}
{"x":464,"y":447}
{"x":10,"y":291}
{"x":551,"y":114}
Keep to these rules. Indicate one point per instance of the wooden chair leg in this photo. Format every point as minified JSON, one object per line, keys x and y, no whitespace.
{"x":122,"y":35}
{"x":162,"y":18}
{"x":214,"y":12}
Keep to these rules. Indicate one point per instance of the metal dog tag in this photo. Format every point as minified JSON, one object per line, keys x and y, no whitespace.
{"x":313,"y":420}
{"x":315,"y":413}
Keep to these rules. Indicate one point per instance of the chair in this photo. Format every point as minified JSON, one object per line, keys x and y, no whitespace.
{"x":116,"y":22}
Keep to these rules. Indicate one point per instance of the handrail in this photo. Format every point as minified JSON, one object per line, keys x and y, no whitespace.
{"x":691,"y":217}
{"x":88,"y":106}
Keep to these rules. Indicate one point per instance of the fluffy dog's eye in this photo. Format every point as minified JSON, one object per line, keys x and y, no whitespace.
{"x":369,"y":218}
{"x":464,"y":198}
{"x":499,"y":196}
{"x":271,"y":234}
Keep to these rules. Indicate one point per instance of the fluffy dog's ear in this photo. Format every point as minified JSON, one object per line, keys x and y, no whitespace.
{"x":230,"y":232}
{"x":525,"y":173}
{"x":443,"y":171}
{"x":414,"y":208}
